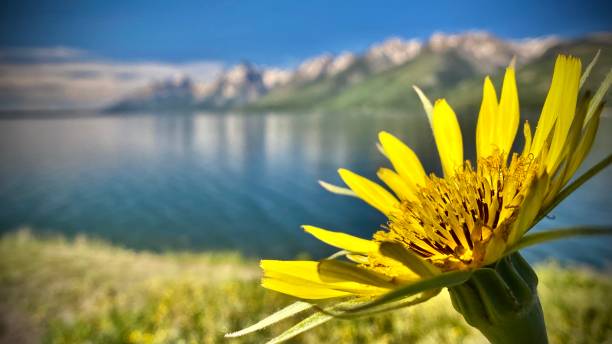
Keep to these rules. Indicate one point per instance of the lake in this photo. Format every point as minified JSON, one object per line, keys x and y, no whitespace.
{"x":246,"y":182}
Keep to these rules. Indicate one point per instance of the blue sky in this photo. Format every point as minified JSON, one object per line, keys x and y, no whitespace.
{"x":88,"y":54}
{"x":274,"y":32}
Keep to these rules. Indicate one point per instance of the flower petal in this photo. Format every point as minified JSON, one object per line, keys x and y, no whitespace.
{"x":531,"y":206}
{"x":486,"y":125}
{"x":403,"y":159}
{"x":338,"y":190}
{"x":527,"y":135}
{"x":342,"y":240}
{"x":303,"y":290}
{"x":558,"y":112}
{"x":302,"y":279}
{"x":399,"y":186}
{"x":498,"y":123}
{"x":567,"y":111}
{"x":583,"y":147}
{"x":508,"y":116}
{"x":447,"y":134}
{"x":372,"y":193}
{"x":548,"y":116}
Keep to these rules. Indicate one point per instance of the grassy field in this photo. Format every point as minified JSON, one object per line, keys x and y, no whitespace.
{"x":86,"y":291}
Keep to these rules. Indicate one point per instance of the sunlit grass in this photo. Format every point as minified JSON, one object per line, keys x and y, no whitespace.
{"x":83,"y":290}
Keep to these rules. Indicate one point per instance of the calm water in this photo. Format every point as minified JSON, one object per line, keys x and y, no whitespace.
{"x":245,"y":182}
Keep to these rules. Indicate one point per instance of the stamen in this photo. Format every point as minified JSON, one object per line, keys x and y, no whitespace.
{"x":454,"y":219}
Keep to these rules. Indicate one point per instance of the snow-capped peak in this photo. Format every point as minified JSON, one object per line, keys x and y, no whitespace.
{"x":477,"y":44}
{"x":314,"y":67}
{"x":395,"y":50}
{"x":341,"y":62}
{"x":239,"y":73}
{"x":273,"y":77}
{"x":530,"y":48}
{"x":487,"y":52}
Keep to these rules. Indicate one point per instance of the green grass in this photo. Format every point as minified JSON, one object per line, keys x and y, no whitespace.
{"x":74,"y":291}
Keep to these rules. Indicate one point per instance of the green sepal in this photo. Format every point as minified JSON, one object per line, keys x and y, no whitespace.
{"x":501,"y":301}
{"x":337,"y":270}
{"x":444,"y":280}
{"x":403,"y":303}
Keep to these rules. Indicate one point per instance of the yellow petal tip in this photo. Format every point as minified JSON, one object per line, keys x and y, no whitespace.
{"x":385,"y":136}
{"x":343,"y":172}
{"x":440,"y":101}
{"x":512,"y":64}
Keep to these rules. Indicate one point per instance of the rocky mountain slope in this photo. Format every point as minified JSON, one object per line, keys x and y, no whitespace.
{"x":239,"y":85}
{"x":452,"y":67}
{"x":378,"y":78}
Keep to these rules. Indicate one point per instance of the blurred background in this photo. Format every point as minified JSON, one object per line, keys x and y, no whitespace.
{"x":152,"y":151}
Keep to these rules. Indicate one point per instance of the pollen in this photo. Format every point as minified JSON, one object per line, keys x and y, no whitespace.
{"x":454,"y":219}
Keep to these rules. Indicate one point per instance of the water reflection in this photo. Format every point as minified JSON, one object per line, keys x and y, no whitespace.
{"x":230,"y":181}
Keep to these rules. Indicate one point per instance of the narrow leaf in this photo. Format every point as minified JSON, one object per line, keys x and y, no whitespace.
{"x":339,"y":190}
{"x":312,"y":321}
{"x":284,"y":313}
{"x":542,"y":237}
{"x":441,"y":281}
{"x":598,"y":97}
{"x":303,"y":326}
{"x":568,"y":190}
{"x":587,"y":71}
{"x":383,"y":308}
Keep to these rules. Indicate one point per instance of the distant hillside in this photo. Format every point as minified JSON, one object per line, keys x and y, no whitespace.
{"x":448,"y":74}
{"x":174,"y":94}
{"x":436,"y":73}
{"x":440,"y":67}
{"x":239,"y":85}
{"x":380,"y":78}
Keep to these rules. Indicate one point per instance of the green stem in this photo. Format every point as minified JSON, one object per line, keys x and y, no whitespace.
{"x":556,"y":234}
{"x":502,"y":302}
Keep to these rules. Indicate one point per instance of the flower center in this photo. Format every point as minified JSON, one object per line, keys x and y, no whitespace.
{"x":456,"y":219}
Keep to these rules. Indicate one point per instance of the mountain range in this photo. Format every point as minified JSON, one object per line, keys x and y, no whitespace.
{"x":380,"y":77}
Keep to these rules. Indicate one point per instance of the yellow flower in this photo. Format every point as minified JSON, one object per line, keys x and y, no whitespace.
{"x":456,"y":231}
{"x":465,"y":220}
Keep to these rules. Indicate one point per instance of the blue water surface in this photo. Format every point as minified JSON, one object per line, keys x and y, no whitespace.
{"x":246,"y":182}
